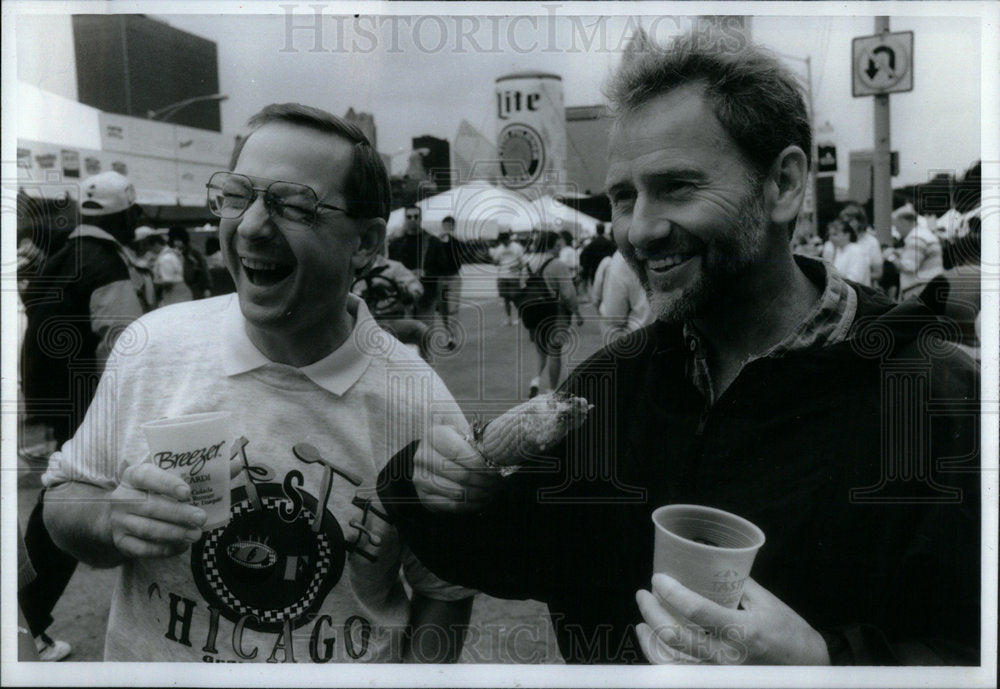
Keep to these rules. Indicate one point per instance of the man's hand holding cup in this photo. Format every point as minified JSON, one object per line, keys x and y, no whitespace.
{"x":150,"y":514}
{"x":681,"y":626}
{"x":704,"y":607}
{"x":162,"y":506}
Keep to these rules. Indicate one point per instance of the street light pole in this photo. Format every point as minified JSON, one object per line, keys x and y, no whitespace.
{"x":165,"y":113}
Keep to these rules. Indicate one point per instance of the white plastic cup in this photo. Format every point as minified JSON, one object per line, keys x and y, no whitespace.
{"x":194,"y":446}
{"x":707,"y":550}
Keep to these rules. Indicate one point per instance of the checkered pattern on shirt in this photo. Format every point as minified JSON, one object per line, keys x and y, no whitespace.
{"x":266,"y":616}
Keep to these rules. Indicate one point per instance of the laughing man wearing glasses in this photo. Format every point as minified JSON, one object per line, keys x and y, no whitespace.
{"x":308,"y":567}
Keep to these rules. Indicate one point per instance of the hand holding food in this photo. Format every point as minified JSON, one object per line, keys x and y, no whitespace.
{"x":448,"y":470}
{"x":530,"y":428}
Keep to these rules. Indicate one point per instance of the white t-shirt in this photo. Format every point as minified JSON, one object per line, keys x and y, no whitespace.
{"x":920,"y":260}
{"x":267,"y":586}
{"x":508,"y":258}
{"x":168,"y":271}
{"x":851,"y":261}
{"x":623,"y":305}
{"x":869,"y":242}
{"x":569,"y":258}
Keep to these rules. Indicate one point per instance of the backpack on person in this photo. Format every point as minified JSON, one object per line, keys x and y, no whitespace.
{"x":383,"y":295}
{"x":535,"y":302}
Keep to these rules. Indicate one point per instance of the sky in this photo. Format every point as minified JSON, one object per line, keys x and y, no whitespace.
{"x":424,"y":74}
{"x":429,"y":66}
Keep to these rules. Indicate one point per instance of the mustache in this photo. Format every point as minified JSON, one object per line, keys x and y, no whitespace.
{"x":669,"y":246}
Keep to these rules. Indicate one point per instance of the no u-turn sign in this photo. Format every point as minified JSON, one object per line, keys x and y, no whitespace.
{"x":882,"y":63}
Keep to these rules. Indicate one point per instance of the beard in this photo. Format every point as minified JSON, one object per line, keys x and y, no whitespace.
{"x":725,"y":260}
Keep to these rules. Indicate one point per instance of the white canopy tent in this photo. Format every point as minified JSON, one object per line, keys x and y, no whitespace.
{"x":480,"y":210}
{"x":549,"y":214}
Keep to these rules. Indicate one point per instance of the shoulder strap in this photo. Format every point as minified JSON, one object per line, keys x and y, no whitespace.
{"x":541,"y":276}
{"x":542,"y":267}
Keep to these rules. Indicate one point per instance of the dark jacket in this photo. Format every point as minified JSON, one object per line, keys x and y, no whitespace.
{"x":591,"y":255}
{"x":443,"y":258}
{"x":409,"y":249}
{"x":196,"y":273}
{"x":859,"y":461}
{"x":83,"y":298}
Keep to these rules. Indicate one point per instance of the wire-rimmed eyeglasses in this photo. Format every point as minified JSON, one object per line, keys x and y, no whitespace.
{"x":230,"y":194}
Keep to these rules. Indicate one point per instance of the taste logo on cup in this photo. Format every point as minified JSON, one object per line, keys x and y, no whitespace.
{"x":194,"y":446}
{"x":707,"y":550}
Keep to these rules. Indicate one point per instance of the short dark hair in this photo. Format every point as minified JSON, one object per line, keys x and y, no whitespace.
{"x":546,"y":241}
{"x":844,"y":227}
{"x":855,"y":210}
{"x":756,"y":99}
{"x":599,"y":228}
{"x":367,"y":188}
{"x":448,"y":218}
{"x":180,"y":234}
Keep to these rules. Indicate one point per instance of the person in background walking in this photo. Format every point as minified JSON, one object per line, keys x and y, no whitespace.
{"x":222,"y":281}
{"x":619,"y":298}
{"x":599,"y":248}
{"x":196,"y":274}
{"x":845,"y":254}
{"x":442,"y":281}
{"x":854,"y":215}
{"x":550,"y":336}
{"x":508,"y":254}
{"x":919,"y":258}
{"x":85,"y":293}
{"x":165,"y":264}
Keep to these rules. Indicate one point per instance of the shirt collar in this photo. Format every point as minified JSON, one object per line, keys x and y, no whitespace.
{"x":827,"y":323}
{"x":336,"y":372}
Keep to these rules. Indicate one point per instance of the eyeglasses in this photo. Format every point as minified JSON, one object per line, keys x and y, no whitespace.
{"x":415,"y":216}
{"x":230,"y":194}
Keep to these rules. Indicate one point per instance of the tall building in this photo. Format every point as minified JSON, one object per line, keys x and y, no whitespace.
{"x":474,"y":156}
{"x":129,"y":64}
{"x":364,"y":121}
{"x":437,"y":159}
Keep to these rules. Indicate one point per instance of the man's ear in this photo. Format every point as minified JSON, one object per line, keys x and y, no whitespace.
{"x":786,"y":184}
{"x":371,"y":236}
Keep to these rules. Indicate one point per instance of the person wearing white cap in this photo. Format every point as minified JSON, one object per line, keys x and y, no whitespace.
{"x":84,"y":296}
{"x":920,"y":258}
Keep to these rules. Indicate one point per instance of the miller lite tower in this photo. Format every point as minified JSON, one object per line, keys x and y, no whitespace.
{"x":531,"y":129}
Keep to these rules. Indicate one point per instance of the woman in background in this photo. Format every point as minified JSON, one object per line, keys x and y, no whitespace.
{"x":846,"y":255}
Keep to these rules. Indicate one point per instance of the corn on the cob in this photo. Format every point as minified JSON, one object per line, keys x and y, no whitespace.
{"x":526,"y":430}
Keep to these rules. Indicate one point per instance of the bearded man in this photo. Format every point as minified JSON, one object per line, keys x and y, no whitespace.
{"x":768,"y":387}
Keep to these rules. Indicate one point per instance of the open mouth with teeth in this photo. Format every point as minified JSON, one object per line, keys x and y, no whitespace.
{"x":265,"y":273}
{"x":663,"y":264}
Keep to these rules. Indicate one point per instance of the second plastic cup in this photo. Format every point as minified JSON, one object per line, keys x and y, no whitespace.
{"x":709,"y":551}
{"x":194,"y":446}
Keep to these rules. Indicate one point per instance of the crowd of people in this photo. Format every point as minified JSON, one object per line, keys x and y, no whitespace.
{"x":110,"y":270}
{"x":902,"y":268}
{"x":737,"y":373}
